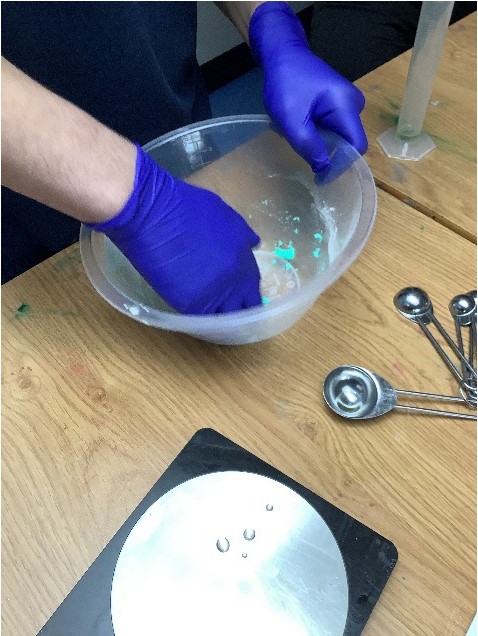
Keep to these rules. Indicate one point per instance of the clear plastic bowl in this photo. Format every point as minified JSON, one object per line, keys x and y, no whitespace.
{"x":311,"y":229}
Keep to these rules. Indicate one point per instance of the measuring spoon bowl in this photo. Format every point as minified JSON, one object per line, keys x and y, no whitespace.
{"x":356,"y":393}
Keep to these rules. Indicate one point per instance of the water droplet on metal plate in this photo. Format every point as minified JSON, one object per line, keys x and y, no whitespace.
{"x":222,"y":544}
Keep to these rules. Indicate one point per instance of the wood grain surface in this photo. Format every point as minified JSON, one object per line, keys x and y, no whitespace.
{"x":96,"y":406}
{"x":443,"y":183}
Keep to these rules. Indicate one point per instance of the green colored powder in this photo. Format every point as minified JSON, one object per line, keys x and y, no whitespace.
{"x":287,"y":253}
{"x":316,"y":252}
{"x":318,"y":236}
{"x":265,"y":300}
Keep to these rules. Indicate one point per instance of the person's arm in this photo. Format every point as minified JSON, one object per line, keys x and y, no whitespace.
{"x":240,"y":14}
{"x":301,"y":92}
{"x":59,"y":155}
{"x":187,"y":243}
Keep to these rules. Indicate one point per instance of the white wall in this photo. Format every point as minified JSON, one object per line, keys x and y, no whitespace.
{"x":216,"y":34}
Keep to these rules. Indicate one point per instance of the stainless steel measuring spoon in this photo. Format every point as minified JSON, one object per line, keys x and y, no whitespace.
{"x":357,"y":393}
{"x":472,"y":343}
{"x":463,"y":310}
{"x":414,"y":304}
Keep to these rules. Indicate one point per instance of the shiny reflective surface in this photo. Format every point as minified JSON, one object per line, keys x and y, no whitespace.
{"x":281,"y":571}
{"x":414,"y":303}
{"x":356,"y":393}
{"x":463,"y":308}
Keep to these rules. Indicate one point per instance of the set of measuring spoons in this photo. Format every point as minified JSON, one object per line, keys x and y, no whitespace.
{"x":357,"y":393}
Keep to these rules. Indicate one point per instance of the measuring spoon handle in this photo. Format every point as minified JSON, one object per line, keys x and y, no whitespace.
{"x":463,"y":416}
{"x":432,"y":396}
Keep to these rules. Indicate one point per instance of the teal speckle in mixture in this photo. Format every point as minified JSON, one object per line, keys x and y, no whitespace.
{"x":265,"y":300}
{"x":296,"y":230}
{"x":316,"y":252}
{"x":318,"y":236}
{"x":287,"y":253}
{"x":296,"y":218}
{"x":288,"y":266}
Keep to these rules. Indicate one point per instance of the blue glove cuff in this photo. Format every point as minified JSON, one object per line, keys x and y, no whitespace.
{"x":128,"y":218}
{"x":272,"y":27}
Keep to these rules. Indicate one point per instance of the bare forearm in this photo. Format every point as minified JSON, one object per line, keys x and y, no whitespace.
{"x":239,"y":13}
{"x":59,"y":155}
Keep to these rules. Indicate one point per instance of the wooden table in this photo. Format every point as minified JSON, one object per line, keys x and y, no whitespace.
{"x":443,"y":183}
{"x":96,"y":406}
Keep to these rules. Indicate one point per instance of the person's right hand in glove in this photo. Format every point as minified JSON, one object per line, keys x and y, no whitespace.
{"x":190,"y":246}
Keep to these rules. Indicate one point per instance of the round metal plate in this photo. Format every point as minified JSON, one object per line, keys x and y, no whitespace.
{"x":230,"y":553}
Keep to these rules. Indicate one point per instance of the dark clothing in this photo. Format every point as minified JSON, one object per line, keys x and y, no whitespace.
{"x":132,"y":65}
{"x":357,"y":37}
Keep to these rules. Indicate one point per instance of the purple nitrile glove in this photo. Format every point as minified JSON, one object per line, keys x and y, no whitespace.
{"x":187,"y":243}
{"x":301,"y":91}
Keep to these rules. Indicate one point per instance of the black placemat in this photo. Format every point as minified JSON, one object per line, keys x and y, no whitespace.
{"x":368,"y":557}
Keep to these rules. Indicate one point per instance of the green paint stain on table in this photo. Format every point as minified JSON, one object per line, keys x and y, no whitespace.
{"x":23,"y":310}
{"x":67,"y":260}
{"x":393,"y":105}
{"x":391,"y":118}
{"x":26,"y":310}
{"x":62,"y":312}
{"x":453,"y":147}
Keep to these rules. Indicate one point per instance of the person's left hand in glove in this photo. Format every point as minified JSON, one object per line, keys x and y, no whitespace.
{"x":300,"y":90}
